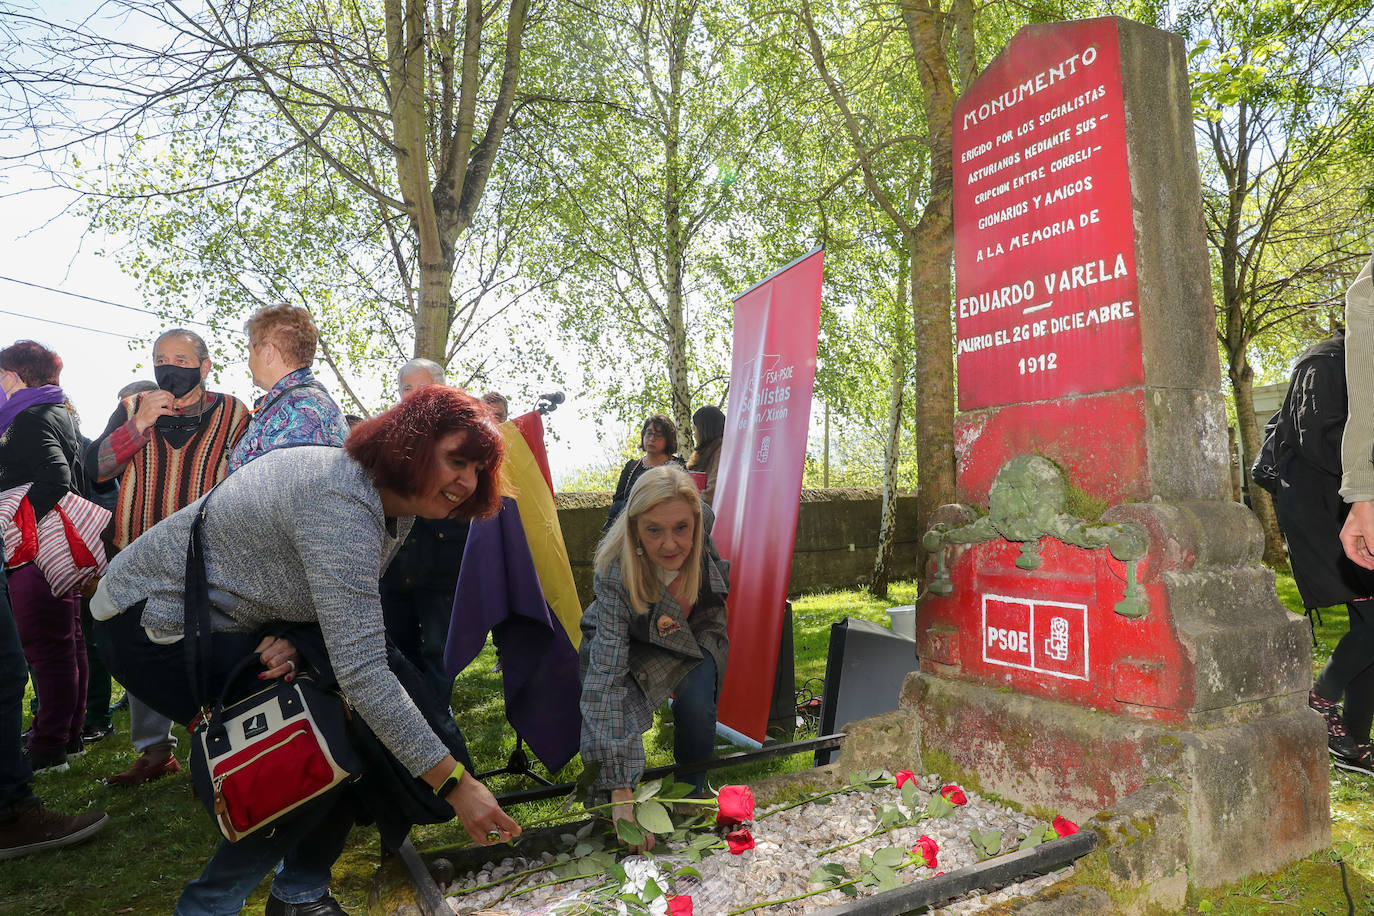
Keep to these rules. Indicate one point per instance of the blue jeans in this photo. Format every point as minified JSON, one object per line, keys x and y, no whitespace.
{"x":305,"y":846}
{"x":694,"y":719}
{"x":15,"y":775}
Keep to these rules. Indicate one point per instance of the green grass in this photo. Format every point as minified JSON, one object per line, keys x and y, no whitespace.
{"x":159,"y":837}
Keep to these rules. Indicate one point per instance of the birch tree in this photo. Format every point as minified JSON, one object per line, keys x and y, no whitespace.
{"x":1282,"y":96}
{"x":650,"y":175}
{"x":406,"y":103}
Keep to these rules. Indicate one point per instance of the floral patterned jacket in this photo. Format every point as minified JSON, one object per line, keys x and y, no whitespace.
{"x":631,"y":663}
{"x":297,"y":411}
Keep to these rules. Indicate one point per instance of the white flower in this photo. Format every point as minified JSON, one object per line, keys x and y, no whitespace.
{"x":639,"y":871}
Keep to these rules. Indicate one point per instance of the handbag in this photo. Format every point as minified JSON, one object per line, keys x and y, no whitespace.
{"x":70,"y":551}
{"x":65,"y":544}
{"x":17,"y":526}
{"x":261,"y":758}
{"x":257,"y":760}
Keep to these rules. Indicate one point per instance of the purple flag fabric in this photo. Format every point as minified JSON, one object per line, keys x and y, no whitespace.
{"x":498,"y":592}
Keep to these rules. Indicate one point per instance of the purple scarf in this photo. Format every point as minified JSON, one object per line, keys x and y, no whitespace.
{"x":25,"y":398}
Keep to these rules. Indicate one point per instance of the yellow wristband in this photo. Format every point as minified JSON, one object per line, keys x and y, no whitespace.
{"x":448,"y":785}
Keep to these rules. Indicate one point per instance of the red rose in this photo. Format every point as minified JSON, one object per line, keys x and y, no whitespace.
{"x":679,"y":905}
{"x":1063,"y":826}
{"x":735,"y":804}
{"x":903,"y":777}
{"x":926,"y":848}
{"x":954,"y":795}
{"x":740,"y":840}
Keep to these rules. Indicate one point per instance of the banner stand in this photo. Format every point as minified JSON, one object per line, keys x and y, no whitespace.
{"x":782,"y":715}
{"x":782,"y":712}
{"x":762,"y":457}
{"x":738,"y":739}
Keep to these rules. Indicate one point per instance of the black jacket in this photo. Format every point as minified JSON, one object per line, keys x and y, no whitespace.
{"x":1308,"y":503}
{"x":628,"y":475}
{"x":429,"y":558}
{"x":41,"y":447}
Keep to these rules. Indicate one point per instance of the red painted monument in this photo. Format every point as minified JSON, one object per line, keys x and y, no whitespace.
{"x":1100,"y":637}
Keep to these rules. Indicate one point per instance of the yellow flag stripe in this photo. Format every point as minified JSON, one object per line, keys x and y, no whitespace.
{"x":539,"y":518}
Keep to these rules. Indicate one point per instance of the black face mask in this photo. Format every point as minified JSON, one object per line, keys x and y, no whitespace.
{"x":179,"y":380}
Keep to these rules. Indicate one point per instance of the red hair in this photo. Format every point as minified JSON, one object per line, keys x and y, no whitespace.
{"x":397,"y":447}
{"x":34,"y":363}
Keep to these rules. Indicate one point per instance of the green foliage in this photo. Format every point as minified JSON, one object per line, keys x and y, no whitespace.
{"x":987,"y":843}
{"x":939,"y":806}
{"x":59,"y":882}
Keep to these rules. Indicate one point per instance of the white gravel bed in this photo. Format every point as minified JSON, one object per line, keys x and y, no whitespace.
{"x":785,"y":855}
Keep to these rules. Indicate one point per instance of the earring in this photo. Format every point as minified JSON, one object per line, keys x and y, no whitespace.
{"x":639,"y":551}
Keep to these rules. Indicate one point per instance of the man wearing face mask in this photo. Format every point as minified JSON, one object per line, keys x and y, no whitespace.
{"x":167,"y":448}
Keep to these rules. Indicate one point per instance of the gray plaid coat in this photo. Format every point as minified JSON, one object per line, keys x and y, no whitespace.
{"x":630,"y":666}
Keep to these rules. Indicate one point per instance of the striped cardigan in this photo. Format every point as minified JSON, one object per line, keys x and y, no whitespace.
{"x":158,"y":479}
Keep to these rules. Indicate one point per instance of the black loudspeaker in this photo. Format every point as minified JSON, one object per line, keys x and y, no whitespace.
{"x":782,"y":711}
{"x":864,"y":670}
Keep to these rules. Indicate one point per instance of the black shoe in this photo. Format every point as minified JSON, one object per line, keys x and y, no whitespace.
{"x":325,"y":906}
{"x":93,"y":733}
{"x":34,"y":828}
{"x":1342,"y":745}
{"x":39,"y":762}
{"x":1362,"y":761}
{"x":75,"y":748}
{"x":1330,"y":710}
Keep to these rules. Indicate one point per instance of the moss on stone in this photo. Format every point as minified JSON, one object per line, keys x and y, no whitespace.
{"x":1084,"y":505}
{"x":935,"y":761}
{"x":1094,"y":871}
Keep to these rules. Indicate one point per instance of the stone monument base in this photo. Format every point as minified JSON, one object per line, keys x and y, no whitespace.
{"x":1175,"y":806}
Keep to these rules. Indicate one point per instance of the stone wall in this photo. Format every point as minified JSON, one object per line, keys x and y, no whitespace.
{"x":837,"y":534}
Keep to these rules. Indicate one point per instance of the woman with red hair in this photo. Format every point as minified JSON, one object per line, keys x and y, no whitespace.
{"x":294,"y":543}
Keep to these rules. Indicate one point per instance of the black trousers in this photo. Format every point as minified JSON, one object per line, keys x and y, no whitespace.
{"x":1350,"y":671}
{"x":156,"y":674}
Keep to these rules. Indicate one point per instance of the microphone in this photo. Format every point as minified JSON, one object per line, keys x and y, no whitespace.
{"x":548,"y":403}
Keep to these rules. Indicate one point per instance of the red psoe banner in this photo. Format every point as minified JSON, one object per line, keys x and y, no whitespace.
{"x":758,"y":490}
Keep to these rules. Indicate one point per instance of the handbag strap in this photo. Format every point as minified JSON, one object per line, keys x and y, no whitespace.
{"x":196,"y":629}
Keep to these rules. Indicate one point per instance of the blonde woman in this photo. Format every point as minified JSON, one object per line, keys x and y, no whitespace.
{"x":655,"y":628}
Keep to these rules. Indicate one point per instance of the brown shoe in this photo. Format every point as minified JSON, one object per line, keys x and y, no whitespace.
{"x":35,"y":828}
{"x":143,"y":770}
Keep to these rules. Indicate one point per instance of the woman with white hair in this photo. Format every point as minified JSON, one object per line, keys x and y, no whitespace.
{"x":655,"y":628}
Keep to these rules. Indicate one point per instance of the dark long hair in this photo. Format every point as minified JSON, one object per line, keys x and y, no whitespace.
{"x":665,"y":428}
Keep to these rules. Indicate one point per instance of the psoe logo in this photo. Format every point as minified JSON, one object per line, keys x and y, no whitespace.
{"x":756,"y":372}
{"x":1057,"y":643}
{"x":1036,"y":634}
{"x":763,"y":451}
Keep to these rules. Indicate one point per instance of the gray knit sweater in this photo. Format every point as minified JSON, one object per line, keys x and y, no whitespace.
{"x":297,"y":535}
{"x":1357,"y":483}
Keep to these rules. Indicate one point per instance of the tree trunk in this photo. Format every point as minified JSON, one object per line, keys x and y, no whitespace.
{"x":931,"y":245}
{"x":887,"y":526}
{"x":1242,"y":385}
{"x":405,"y":27}
{"x":675,"y":256}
